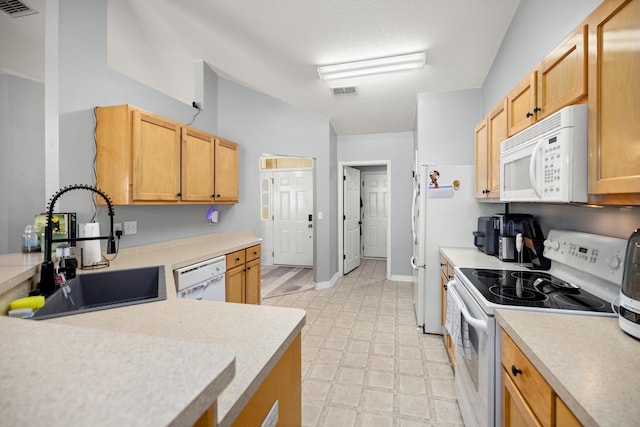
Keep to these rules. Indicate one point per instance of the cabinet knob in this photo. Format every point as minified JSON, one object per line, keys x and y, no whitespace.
{"x":248,"y":268}
{"x":237,"y":259}
{"x":537,"y":109}
{"x":529,"y":114}
{"x":450,"y":277}
{"x":179,"y":194}
{"x":515,"y":371}
{"x":213,"y":196}
{"x":217,"y":195}
{"x":442,"y":264}
{"x":445,"y":286}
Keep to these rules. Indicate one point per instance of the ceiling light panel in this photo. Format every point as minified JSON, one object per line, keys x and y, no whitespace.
{"x":367,"y":67}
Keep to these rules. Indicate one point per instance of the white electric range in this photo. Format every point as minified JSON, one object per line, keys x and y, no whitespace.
{"x":584,"y":278}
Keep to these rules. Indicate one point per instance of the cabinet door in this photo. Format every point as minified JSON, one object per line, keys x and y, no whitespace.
{"x":197,"y":166}
{"x":234,"y":285}
{"x":562,"y":75}
{"x":516,"y":412}
{"x":156,"y":158}
{"x":564,"y":416}
{"x":226,"y":171}
{"x":252,"y":282}
{"x":528,"y":381}
{"x":521,"y":103}
{"x":614,"y":104}
{"x":482,"y":149}
{"x":498,"y":132}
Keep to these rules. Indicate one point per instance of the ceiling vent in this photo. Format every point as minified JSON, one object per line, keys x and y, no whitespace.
{"x":347,"y":90}
{"x":15,"y":8}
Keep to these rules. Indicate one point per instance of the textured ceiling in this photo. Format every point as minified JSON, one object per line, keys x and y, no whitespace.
{"x":274,"y":46}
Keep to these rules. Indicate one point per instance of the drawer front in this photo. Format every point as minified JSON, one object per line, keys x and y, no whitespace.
{"x":527,"y":379}
{"x":252,"y":253}
{"x":235,"y":259}
{"x":443,"y":265}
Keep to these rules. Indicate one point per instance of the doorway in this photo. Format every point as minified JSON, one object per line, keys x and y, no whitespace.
{"x":287,"y":202}
{"x":374,"y":215}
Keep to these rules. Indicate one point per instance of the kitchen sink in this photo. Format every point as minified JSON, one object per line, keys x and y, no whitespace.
{"x":105,"y":290}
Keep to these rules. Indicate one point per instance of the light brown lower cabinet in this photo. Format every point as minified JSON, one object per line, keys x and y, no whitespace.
{"x":242,"y":281}
{"x":208,"y":419}
{"x":446,"y":274}
{"x":284,"y":385}
{"x":527,"y":399}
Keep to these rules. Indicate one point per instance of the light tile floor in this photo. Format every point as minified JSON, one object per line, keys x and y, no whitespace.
{"x":364,"y":363}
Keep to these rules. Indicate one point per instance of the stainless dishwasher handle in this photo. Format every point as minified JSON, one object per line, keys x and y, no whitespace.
{"x":476,"y":323}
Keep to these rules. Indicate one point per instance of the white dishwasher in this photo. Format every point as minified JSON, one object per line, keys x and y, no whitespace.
{"x":202,"y":281}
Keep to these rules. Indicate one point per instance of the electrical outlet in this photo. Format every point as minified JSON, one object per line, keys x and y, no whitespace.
{"x":130,"y":227}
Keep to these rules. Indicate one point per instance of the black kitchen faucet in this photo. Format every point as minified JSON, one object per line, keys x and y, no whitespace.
{"x":47,"y":273}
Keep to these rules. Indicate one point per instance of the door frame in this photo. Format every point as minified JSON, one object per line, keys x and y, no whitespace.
{"x":266,"y":226}
{"x":355,"y":164}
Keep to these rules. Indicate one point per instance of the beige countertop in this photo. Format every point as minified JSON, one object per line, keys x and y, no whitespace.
{"x":472,"y":257}
{"x":258,"y":335}
{"x":589,"y":361}
{"x":58,"y":375}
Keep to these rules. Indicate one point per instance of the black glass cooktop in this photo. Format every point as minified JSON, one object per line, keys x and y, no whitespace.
{"x":533,"y":289}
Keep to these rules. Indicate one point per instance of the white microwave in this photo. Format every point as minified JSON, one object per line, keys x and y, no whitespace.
{"x":547,"y":162}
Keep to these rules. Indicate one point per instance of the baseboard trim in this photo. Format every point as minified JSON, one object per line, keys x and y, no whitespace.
{"x":401,"y":278}
{"x":330,"y":283}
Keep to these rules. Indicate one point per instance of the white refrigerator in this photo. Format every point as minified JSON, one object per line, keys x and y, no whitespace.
{"x":445,"y":214}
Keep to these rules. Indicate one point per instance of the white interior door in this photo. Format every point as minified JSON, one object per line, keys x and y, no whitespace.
{"x":292,"y":218}
{"x":351,"y":219}
{"x":374,"y":214}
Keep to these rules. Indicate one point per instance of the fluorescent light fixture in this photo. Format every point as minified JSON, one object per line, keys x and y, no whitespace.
{"x":367,"y":67}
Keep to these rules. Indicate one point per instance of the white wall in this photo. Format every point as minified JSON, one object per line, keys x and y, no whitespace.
{"x":21,"y":157}
{"x":398,"y":149}
{"x":445,"y":123}
{"x":263,"y":124}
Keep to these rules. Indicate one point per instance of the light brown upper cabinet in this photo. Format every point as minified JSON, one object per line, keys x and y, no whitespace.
{"x":614,"y":103}
{"x":482,"y":158}
{"x":156,"y":158}
{"x":143,"y":158}
{"x":226,"y":171}
{"x":521,"y":103}
{"x":559,"y":80}
{"x":562,"y":75}
{"x":490,"y":133}
{"x":197,"y":166}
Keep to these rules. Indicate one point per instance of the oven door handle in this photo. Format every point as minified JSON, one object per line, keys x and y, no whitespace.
{"x":476,"y":323}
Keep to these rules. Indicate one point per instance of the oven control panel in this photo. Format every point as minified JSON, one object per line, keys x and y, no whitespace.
{"x":601,"y":256}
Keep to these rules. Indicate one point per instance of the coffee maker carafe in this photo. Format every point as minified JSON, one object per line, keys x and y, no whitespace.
{"x":629,"y":316}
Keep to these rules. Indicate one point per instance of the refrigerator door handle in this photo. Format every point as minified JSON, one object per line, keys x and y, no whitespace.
{"x":416,"y":193}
